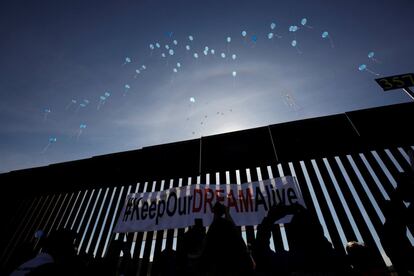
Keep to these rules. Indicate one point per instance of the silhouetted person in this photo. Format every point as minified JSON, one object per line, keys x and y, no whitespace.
{"x":309,"y":250}
{"x":267,"y":261}
{"x":397,"y":218}
{"x":362,"y":260}
{"x":166,"y":264}
{"x":58,"y":257}
{"x":225,"y":252}
{"x":192,"y":249}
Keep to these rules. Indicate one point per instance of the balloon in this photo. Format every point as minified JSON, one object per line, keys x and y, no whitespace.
{"x":163,"y":55}
{"x":243,"y":33}
{"x":206,"y":48}
{"x":151,"y":46}
{"x":190,"y":37}
{"x":52,"y":140}
{"x":167,"y":47}
{"x":178,"y":64}
{"x":143,"y":67}
{"x":371,"y":57}
{"x":371,"y":54}
{"x":234,"y":73}
{"x":175,"y":70}
{"x":363,"y":67}
{"x":270,"y":35}
{"x":223,"y":55}
{"x":294,"y":43}
{"x":326,"y":35}
{"x":303,"y":21}
{"x":205,"y":52}
{"x":187,"y":47}
{"x":82,"y":126}
{"x":127,"y":60}
{"x":137,"y":71}
{"x":228,"y":39}
{"x":107,"y":94}
{"x":127,"y":86}
{"x":175,"y":42}
{"x":272,"y":25}
{"x":233,"y":56}
{"x":171,"y":52}
{"x":212,"y":51}
{"x":157,"y":45}
{"x":192,"y":99}
{"x":102,"y":98}
{"x":195,"y":55}
{"x":293,"y":28}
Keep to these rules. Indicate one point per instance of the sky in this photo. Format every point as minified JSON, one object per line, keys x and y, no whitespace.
{"x":53,"y":52}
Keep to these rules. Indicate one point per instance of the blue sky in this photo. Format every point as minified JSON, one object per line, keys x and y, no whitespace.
{"x":54,"y":51}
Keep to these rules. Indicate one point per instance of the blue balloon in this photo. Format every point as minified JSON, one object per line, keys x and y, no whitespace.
{"x":73,"y":101}
{"x":102,"y":98}
{"x":82,"y":126}
{"x":187,"y":47}
{"x":223,"y":55}
{"x":195,"y":55}
{"x":171,"y":52}
{"x":294,"y":43}
{"x":325,"y":34}
{"x":47,"y":110}
{"x":362,"y":67}
{"x":228,"y":39}
{"x":270,"y":35}
{"x":178,"y":64}
{"x":371,"y":54}
{"x":167,"y":46}
{"x":175,"y":70}
{"x":127,"y":60}
{"x":52,"y":140}
{"x":243,"y":33}
{"x":212,"y":51}
{"x":234,"y":73}
{"x":272,"y":25}
{"x":127,"y":86}
{"x":143,"y":67}
{"x":234,"y":56}
{"x":163,"y":55}
{"x":175,"y":42}
{"x":190,"y":37}
{"x":107,"y":94}
{"x":157,"y":45}
{"x":303,"y":21}
{"x":151,"y":46}
{"x":137,"y":71}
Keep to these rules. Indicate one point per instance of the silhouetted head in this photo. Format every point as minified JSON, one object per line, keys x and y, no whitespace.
{"x":60,"y":243}
{"x":219,"y":209}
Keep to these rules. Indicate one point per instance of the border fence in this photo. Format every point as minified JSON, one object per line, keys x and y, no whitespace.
{"x":345,"y":164}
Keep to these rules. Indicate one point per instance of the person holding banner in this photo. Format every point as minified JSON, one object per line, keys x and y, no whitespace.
{"x":310,"y":251}
{"x":225,"y":252}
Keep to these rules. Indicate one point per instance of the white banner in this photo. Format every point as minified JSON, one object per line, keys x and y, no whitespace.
{"x":177,"y":207}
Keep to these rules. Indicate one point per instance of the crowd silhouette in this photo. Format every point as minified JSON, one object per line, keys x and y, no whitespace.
{"x":221,"y":251}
